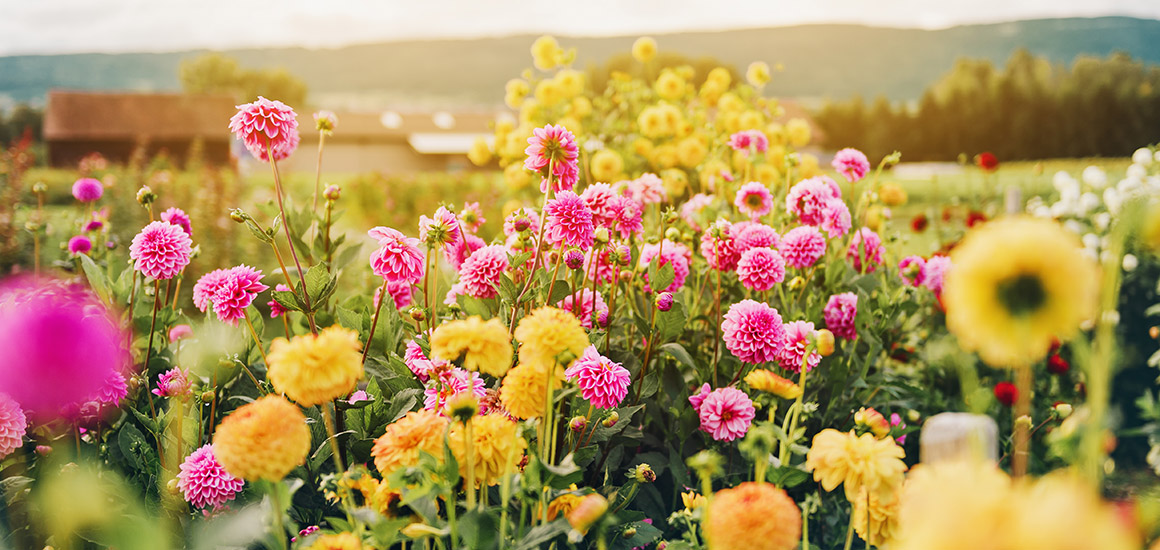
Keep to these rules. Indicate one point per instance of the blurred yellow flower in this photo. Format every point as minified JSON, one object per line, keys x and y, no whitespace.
{"x":606,"y":165}
{"x":590,"y":509}
{"x":570,"y":82}
{"x":644,"y":49}
{"x":798,"y":131}
{"x":339,"y":541}
{"x":494,"y":437}
{"x":753,"y":516}
{"x":757,"y":74}
{"x":651,"y":122}
{"x":892,"y":194}
{"x":313,"y":370}
{"x":550,"y":336}
{"x":564,"y":504}
{"x":776,"y":134}
{"x":721,"y":77}
{"x":711,"y":92}
{"x":264,"y":439}
{"x":581,"y":107}
{"x":730,"y":102}
{"x":691,"y":151}
{"x":546,"y":53}
{"x":485,"y":346}
{"x":515,"y":91}
{"x":767,"y":173}
{"x":549,"y":92}
{"x":664,"y":156}
{"x":857,"y":462}
{"x":1016,"y":285}
{"x":676,"y":181}
{"x":770,"y":382}
{"x":523,"y":390}
{"x":808,"y":167}
{"x":642,"y":147}
{"x":751,"y":120}
{"x":400,"y":444}
{"x":516,"y":177}
{"x":670,"y":85}
{"x":480,"y":153}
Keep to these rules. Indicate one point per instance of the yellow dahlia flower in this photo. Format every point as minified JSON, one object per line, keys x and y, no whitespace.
{"x":857,"y":462}
{"x":316,"y":369}
{"x":753,"y":516}
{"x":720,"y":76}
{"x":892,"y":194}
{"x":550,"y":336}
{"x":399,"y":446}
{"x":340,"y":541}
{"x":1062,"y":510}
{"x":546,"y":53}
{"x":1017,"y":284}
{"x":691,"y":151}
{"x":880,"y":528}
{"x":571,"y":82}
{"x":485,"y":346}
{"x":651,"y":122}
{"x":606,"y":165}
{"x":644,"y":49}
{"x":798,"y":131}
{"x":670,"y":85}
{"x":264,"y":439}
{"x":525,"y":388}
{"x":480,"y":153}
{"x":757,"y":74}
{"x":515,"y":91}
{"x":769,"y":382}
{"x":665,"y":156}
{"x":516,"y":177}
{"x":548,"y":92}
{"x":495,"y":437}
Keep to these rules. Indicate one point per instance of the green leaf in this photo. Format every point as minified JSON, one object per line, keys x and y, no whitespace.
{"x":320,"y":285}
{"x":679,"y":353}
{"x":663,"y":277}
{"x":559,"y":291}
{"x":787,"y":476}
{"x":539,"y":536}
{"x":670,"y":323}
{"x":96,"y":277}
{"x":480,"y":530}
{"x":350,"y":319}
{"x":288,"y":300}
{"x":258,"y":231}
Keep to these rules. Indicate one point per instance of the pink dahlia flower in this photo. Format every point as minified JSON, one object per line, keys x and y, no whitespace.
{"x":204,"y":482}
{"x":481,"y":272}
{"x":851,"y":163}
{"x":670,"y":252}
{"x":934,"y":273}
{"x":754,"y":200}
{"x":13,"y":425}
{"x":88,"y":189}
{"x":602,"y":382}
{"x":749,"y":142}
{"x":836,"y":218}
{"x":910,"y":270}
{"x":589,"y":306}
{"x":793,"y":351}
{"x":402,"y":294}
{"x":719,"y":248}
{"x":472,"y":217}
{"x":178,"y":217}
{"x":753,"y":331}
{"x":649,"y":188}
{"x":451,"y":382}
{"x":266,"y":124}
{"x":417,"y":361}
{"x":726,"y":414}
{"x":807,"y":199}
{"x":173,"y":382}
{"x":692,"y":209}
{"x":276,"y":309}
{"x":630,"y":218}
{"x":840,"y":312}
{"x":760,"y":268}
{"x":180,"y":332}
{"x":442,"y":230}
{"x":568,"y":221}
{"x":205,"y":287}
{"x":457,"y":252}
{"x":865,"y":250}
{"x":553,"y":146}
{"x":754,"y":235}
{"x":699,"y":397}
{"x":802,"y":246}
{"x":398,"y":257}
{"x":113,"y":390}
{"x":235,"y":293}
{"x":604,"y":271}
{"x":80,"y":244}
{"x":603,"y":202}
{"x":161,"y":250}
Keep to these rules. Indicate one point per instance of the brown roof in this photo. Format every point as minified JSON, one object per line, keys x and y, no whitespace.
{"x":104,"y":115}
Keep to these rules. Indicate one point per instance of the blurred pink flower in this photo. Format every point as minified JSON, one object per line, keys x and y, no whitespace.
{"x":807,"y":199}
{"x":172,"y":382}
{"x":840,"y":312}
{"x":80,"y":244}
{"x":179,"y":332}
{"x":646,"y":189}
{"x":88,"y":189}
{"x":910,"y":270}
{"x":749,"y":142}
{"x":754,"y":200}
{"x":793,"y":349}
{"x":865,"y":250}
{"x":934,"y":272}
{"x":719,"y":248}
{"x":692,"y":208}
{"x":472,"y":217}
{"x":851,"y":163}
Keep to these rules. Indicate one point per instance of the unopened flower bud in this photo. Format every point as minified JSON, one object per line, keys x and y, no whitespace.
{"x":671,"y":217}
{"x":43,"y":450}
{"x":601,"y":235}
{"x":145,"y":195}
{"x":624,"y":255}
{"x":626,"y":276}
{"x":578,"y":424}
{"x":872,"y":420}
{"x":32,"y":226}
{"x":797,"y":283}
{"x":673,"y":234}
{"x":521,"y":224}
{"x":662,"y":545}
{"x":238,"y":216}
{"x":643,"y":473}
{"x":629,"y":533}
{"x":602,"y":319}
{"x":1154,"y":332}
{"x":417,"y":314}
{"x":332,"y":192}
{"x":574,"y":259}
{"x":590,"y":509}
{"x":207,"y":396}
{"x":664,"y":301}
{"x":171,"y":486}
{"x":454,"y":307}
{"x":825,"y":340}
{"x":39,"y":187}
{"x":611,"y":420}
{"x":553,"y":256}
{"x":419,"y":530}
{"x":1062,"y":410}
{"x":913,"y":415}
{"x":1023,"y":421}
{"x":707,"y":463}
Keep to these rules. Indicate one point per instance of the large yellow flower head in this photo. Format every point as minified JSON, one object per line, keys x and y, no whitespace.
{"x":564,"y":504}
{"x":485,"y":346}
{"x":1062,"y":510}
{"x":571,"y":82}
{"x":606,"y":165}
{"x":480,"y":152}
{"x":316,"y":369}
{"x":340,"y":541}
{"x":400,"y":444}
{"x":644,"y":49}
{"x":1016,"y":285}
{"x":880,"y":528}
{"x":550,"y":336}
{"x":691,"y":151}
{"x":753,"y":516}
{"x":720,"y":76}
{"x":524,"y":388}
{"x":264,"y":439}
{"x":494,"y":439}
{"x":857,"y":462}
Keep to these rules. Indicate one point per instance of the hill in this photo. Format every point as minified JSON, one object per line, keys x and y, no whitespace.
{"x":819,"y":60}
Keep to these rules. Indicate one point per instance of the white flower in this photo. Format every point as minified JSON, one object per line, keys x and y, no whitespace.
{"x":1113,"y":200}
{"x":1094,"y":177}
{"x":1073,"y":226}
{"x":1142,"y":156}
{"x":1060,"y":180}
{"x":1063,"y":208}
{"x":1156,"y":155}
{"x":1087,"y":202}
{"x":1102,"y":220}
{"x":1091,"y":241}
{"x":1137,"y":172}
{"x":1130,"y":262}
{"x":1041,"y":212}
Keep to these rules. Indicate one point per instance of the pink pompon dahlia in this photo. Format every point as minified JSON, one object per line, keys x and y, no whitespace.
{"x":934,"y":272}
{"x":603,"y":202}
{"x":910,"y":270}
{"x":205,"y":287}
{"x":698,"y":397}
{"x":180,"y":332}
{"x":13,"y":425}
{"x":754,"y":200}
{"x":457,"y":252}
{"x":865,"y":250}
{"x":589,"y":307}
{"x":113,"y":390}
{"x":691,"y":210}
{"x":793,"y":350}
{"x":603,"y":382}
{"x":719,"y":248}
{"x":836,"y":218}
{"x":451,"y":382}
{"x":630,"y":218}
{"x":178,"y":217}
{"x":851,"y":163}
{"x":726,"y":414}
{"x":80,"y":244}
{"x":482,"y":270}
{"x":753,"y":331}
{"x":553,"y":146}
{"x":472,"y":217}
{"x":649,"y":188}
{"x":276,"y":309}
{"x":749,"y":142}
{"x":802,"y":246}
{"x":172,"y":382}
{"x":441,"y":230}
{"x":398,"y":257}
{"x":568,"y":221}
{"x":205,"y":483}
{"x":266,"y":125}
{"x":670,"y":252}
{"x":760,"y":268}
{"x":840,"y":312}
{"x":161,"y":250}
{"x":604,"y":271}
{"x":88,"y":189}
{"x":751,"y":234}
{"x":235,"y":293}
{"x":807,"y":199}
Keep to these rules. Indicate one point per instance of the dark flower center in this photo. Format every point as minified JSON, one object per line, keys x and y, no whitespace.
{"x":1022,"y":294}
{"x":754,"y":201}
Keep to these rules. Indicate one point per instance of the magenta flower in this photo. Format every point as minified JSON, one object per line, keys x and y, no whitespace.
{"x":236,"y":292}
{"x":173,"y":382}
{"x":13,"y":425}
{"x":94,"y":225}
{"x":934,"y":273}
{"x":664,"y":301}
{"x":568,"y":221}
{"x":646,"y":189}
{"x":417,"y":361}
{"x":749,"y":142}
{"x":754,"y":200}
{"x":113,"y":390}
{"x":726,"y":414}
{"x":441,"y":230}
{"x":699,"y":397}
{"x":760,"y":268}
{"x":802,"y":246}
{"x":266,"y":124}
{"x":472,"y":217}
{"x":276,"y":309}
{"x":865,"y":250}
{"x":604,"y":271}
{"x":481,"y":272}
{"x":161,"y":250}
{"x":910,"y":270}
{"x":851,"y":163}
{"x":457,"y":252}
{"x":451,"y":382}
{"x":204,"y":482}
{"x":359,"y":395}
{"x":793,"y":350}
{"x":178,"y":217}
{"x":80,"y":244}
{"x":754,"y":235}
{"x":553,"y":146}
{"x":591,"y":305}
{"x":753,"y":331}
{"x":401,"y":294}
{"x":836,"y":218}
{"x":180,"y":332}
{"x":604,"y":204}
{"x":398,"y":257}
{"x":88,"y":189}
{"x":670,"y":252}
{"x":524,"y":219}
{"x":719,"y":248}
{"x":840,"y":312}
{"x":602,"y":382}
{"x":630,"y":220}
{"x":807,"y":199}
{"x":205,"y":287}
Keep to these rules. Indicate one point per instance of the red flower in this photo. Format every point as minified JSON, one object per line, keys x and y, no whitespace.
{"x":918,"y":223}
{"x":987,"y":161}
{"x":1006,"y":393}
{"x":1056,"y":364}
{"x":975,"y":217}
{"x":947,"y":213}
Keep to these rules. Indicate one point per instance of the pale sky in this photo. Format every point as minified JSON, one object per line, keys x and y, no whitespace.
{"x":68,"y":26}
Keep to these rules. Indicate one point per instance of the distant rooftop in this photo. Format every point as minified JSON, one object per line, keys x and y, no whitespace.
{"x":119,"y":115}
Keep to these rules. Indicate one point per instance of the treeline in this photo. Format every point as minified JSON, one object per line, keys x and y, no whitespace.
{"x":22,"y":121}
{"x":1031,"y":109}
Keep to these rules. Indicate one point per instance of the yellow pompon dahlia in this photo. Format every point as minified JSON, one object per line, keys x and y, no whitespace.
{"x":798,"y":131}
{"x":769,"y":382}
{"x":485,"y":346}
{"x":881,"y":526}
{"x":670,"y":85}
{"x":546,"y":53}
{"x":400,"y":444}
{"x":340,"y":541}
{"x":1062,"y":510}
{"x":976,"y":495}
{"x":606,"y":165}
{"x":524,"y":388}
{"x":480,"y":152}
{"x":644,"y":49}
{"x":264,"y":439}
{"x":754,"y":516}
{"x":857,"y":462}
{"x":550,"y":336}
{"x":316,"y":369}
{"x":1015,"y":285}
{"x":495,"y":436}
